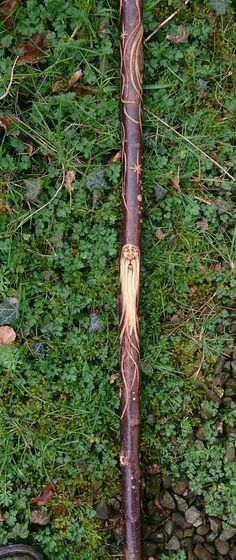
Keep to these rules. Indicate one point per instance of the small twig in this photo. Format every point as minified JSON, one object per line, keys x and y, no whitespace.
{"x":45,"y":205}
{"x":167,"y":125}
{"x":11,"y":79}
{"x":169,"y":18}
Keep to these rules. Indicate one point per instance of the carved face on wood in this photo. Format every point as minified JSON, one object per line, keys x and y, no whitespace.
{"x":130,"y":252}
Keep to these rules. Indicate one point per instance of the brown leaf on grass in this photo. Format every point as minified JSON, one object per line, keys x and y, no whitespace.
{"x":29,"y":149}
{"x":159,"y":233}
{"x":182,"y":37}
{"x":7,"y":335}
{"x":113,"y":378}
{"x":46,"y":494}
{"x":74,"y":78}
{"x":83,"y":90}
{"x":3,"y":208}
{"x":1,"y":515}
{"x":6,"y":11}
{"x":6,"y":122}
{"x":114,"y":158}
{"x":33,"y":50}
{"x":175,"y":183}
{"x":39,"y":517}
{"x":69,"y":180}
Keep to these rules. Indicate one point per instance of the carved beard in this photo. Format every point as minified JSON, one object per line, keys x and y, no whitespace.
{"x":129,"y":285}
{"x":129,"y":282}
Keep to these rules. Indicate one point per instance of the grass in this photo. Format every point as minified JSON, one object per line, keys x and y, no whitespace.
{"x":59,"y":257}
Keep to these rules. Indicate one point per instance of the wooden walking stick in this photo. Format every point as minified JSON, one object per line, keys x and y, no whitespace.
{"x":131,"y":130}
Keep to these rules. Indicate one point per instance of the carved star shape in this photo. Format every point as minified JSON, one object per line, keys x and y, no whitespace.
{"x":137,"y":168}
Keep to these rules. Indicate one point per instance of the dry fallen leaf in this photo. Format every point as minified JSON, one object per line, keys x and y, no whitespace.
{"x":74,"y":78}
{"x":3,"y":208}
{"x":113,"y":378}
{"x":6,"y":122}
{"x":6,"y":11}
{"x":1,"y":515}
{"x":29,"y":149}
{"x":159,"y":233}
{"x":39,"y":517}
{"x":46,"y":494}
{"x":182,"y":37}
{"x":82,"y":90}
{"x":69,"y":180}
{"x":7,"y":335}
{"x":113,"y":159}
{"x":33,"y":50}
{"x":175,"y":183}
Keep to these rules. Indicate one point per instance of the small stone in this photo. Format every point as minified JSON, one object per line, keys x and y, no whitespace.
{"x":188,"y":532}
{"x":211,"y":548}
{"x":232,"y":554}
{"x":229,"y":455}
{"x":168,"y":527}
{"x":173,"y":544}
{"x":190,"y":496}
{"x":233,"y":368}
{"x":227,"y":534}
{"x":149,"y":548}
{"x":191,"y":554}
{"x":179,"y":520}
{"x":222,"y":547}
{"x":179,"y":487}
{"x":193,"y":515}
{"x":233,"y":328}
{"x":203,"y":530}
{"x":37,"y":348}
{"x":186,"y":542}
{"x":103,"y":511}
{"x":198,"y":539}
{"x":160,"y":192}
{"x":166,"y":482}
{"x":157,"y":537}
{"x":167,"y":501}
{"x":211,"y":537}
{"x":202,"y":553}
{"x":181,"y":504}
{"x":179,"y":533}
{"x":215,"y":524}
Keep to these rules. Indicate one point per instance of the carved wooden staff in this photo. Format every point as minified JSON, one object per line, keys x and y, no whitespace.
{"x":131,"y":130}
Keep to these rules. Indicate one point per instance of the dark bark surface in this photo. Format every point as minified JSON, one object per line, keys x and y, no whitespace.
{"x":131,"y":129}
